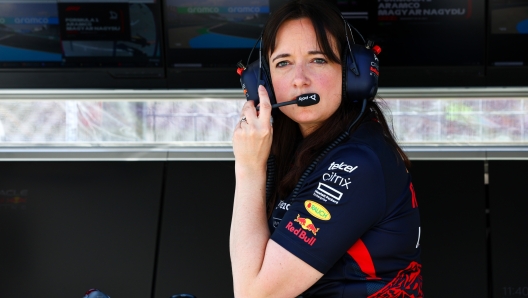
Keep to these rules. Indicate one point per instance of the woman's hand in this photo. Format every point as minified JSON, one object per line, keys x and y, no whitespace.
{"x":253,"y":134}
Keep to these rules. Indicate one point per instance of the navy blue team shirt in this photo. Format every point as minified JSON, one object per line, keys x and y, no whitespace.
{"x":356,"y":220}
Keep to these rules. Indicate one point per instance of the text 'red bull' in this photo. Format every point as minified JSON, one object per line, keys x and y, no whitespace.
{"x":300,"y":233}
{"x":306,"y":224}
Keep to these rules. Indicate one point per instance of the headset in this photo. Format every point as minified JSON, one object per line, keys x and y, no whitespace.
{"x":360,"y":78}
{"x":360,"y":84}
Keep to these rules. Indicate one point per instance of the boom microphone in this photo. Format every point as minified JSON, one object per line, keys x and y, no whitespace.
{"x":304,"y":100}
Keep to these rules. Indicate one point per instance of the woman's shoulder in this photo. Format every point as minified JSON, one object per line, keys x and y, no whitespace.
{"x":366,"y":146}
{"x":362,"y":143}
{"x":350,"y":155}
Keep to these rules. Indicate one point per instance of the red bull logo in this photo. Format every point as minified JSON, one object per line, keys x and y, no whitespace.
{"x":300,"y":233}
{"x":306,"y":224}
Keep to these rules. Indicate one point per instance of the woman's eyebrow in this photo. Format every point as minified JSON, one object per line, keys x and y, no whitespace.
{"x":288,"y":55}
{"x":315,"y":52}
{"x":280,"y":56}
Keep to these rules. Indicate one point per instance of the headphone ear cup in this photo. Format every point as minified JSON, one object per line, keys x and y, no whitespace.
{"x":266,"y":77}
{"x":363,"y":85}
{"x":249,"y":81}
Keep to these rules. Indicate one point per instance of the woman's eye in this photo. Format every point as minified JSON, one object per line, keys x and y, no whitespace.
{"x":319,"y":60}
{"x":282,"y":63}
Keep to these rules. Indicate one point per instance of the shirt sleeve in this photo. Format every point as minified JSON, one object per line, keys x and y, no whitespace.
{"x":338,"y":202}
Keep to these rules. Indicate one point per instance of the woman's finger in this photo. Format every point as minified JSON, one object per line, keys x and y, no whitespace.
{"x":247,"y":108}
{"x":265,"y":105}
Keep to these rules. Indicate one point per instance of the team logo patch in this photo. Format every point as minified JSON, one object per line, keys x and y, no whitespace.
{"x":317,"y":210}
{"x":300,"y":234}
{"x":327,"y":193}
{"x":342,"y":166}
{"x":336,"y":179}
{"x":307,"y":224}
{"x":283,"y":205}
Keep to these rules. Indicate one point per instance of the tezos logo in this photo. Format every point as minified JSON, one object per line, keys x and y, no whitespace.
{"x":283,"y":205}
{"x":317,"y":210}
{"x":342,"y":166}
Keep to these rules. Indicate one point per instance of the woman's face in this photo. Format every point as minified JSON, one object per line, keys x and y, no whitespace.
{"x":298,"y":66}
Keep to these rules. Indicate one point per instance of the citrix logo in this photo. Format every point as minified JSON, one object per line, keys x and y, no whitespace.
{"x":336,"y":179}
{"x":342,"y":166}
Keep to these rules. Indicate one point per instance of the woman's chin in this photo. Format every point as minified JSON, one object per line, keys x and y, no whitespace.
{"x":307,"y":117}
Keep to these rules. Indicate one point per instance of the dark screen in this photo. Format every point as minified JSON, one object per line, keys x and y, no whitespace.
{"x":508,"y":39}
{"x":197,"y":43}
{"x":421,"y":33}
{"x":507,"y":43}
{"x":432,"y":42}
{"x":80,"y":34}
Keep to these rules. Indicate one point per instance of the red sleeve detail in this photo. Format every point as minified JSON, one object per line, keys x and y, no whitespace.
{"x":414,"y":201}
{"x":361,"y":255}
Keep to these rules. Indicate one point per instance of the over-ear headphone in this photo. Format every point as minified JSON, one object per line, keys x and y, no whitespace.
{"x":360,"y":81}
{"x":255,"y":74}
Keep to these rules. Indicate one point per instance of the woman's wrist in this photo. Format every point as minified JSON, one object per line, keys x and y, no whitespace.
{"x":253,"y":173}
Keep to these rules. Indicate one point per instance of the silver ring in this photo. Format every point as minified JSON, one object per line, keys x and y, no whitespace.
{"x":243,"y":119}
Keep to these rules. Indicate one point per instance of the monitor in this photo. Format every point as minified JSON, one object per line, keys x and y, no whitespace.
{"x":507,"y":43}
{"x":206,"y":38}
{"x":68,"y":44}
{"x":423,"y":42}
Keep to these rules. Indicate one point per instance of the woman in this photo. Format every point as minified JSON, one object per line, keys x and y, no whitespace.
{"x":350,"y":228}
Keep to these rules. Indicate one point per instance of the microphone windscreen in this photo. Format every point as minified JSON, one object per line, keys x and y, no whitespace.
{"x":308,"y":99}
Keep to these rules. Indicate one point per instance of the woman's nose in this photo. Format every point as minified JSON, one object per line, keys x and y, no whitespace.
{"x":301,"y":77}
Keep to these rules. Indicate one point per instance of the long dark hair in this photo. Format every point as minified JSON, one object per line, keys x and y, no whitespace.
{"x":292,"y":152}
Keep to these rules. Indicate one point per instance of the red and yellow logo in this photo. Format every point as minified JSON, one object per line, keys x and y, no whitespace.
{"x":307,"y":224}
{"x":317,"y":210}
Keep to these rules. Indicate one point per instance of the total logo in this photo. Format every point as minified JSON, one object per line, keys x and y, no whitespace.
{"x":283,"y":205}
{"x":306,"y":224}
{"x":342,"y":166}
{"x":317,"y":210}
